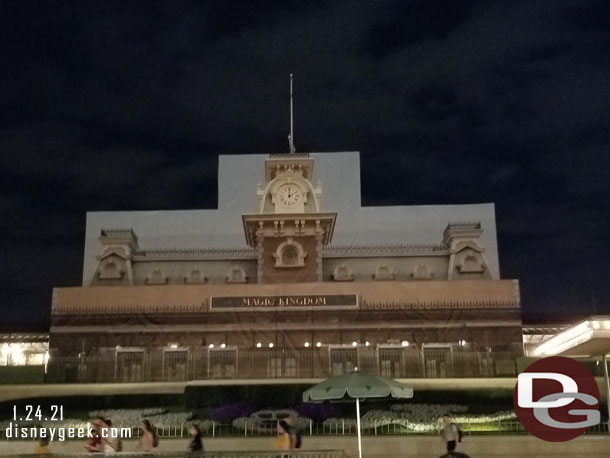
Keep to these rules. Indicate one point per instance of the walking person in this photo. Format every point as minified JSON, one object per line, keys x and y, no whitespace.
{"x":451,"y":433}
{"x":149,"y":439}
{"x":196,"y":444}
{"x":42,"y":448}
{"x":94,"y":444}
{"x":111,"y":445}
{"x":286,"y":438}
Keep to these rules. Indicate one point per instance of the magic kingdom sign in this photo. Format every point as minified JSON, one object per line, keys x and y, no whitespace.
{"x":328,"y":301}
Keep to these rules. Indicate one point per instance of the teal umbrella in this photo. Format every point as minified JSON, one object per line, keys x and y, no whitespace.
{"x":358,"y":386}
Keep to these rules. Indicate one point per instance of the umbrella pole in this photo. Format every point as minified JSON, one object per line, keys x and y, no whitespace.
{"x":358,"y":421}
{"x":605,"y":360}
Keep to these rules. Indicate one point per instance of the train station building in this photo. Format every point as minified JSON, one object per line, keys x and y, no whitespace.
{"x":290,"y":277}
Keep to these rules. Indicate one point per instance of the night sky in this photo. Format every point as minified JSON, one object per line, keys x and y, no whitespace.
{"x":126,"y":106}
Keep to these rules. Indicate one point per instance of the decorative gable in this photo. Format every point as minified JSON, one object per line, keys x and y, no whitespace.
{"x":237,"y":275}
{"x":195,"y":277}
{"x":383,"y":272}
{"x":343,"y":273}
{"x":422,"y":272}
{"x":471,"y":262}
{"x":156,"y":277}
{"x":111,"y":269}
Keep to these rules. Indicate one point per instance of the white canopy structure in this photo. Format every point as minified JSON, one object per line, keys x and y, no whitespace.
{"x":588,"y":339}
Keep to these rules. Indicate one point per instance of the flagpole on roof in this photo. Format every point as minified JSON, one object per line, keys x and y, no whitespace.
{"x":291,"y":136}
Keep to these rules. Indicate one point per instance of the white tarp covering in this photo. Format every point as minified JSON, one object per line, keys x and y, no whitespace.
{"x":339,"y":174}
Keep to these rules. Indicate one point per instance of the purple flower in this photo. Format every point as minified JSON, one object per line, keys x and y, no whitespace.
{"x":229,"y":412}
{"x":318,"y":412}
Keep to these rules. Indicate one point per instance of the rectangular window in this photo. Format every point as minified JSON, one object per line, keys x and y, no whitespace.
{"x":34,"y":359}
{"x":275,"y":367}
{"x":390,"y":362}
{"x":343,"y":360}
{"x":175,"y":365}
{"x":129,"y":365}
{"x":223,"y":363}
{"x":437,"y":361}
{"x":282,"y":366}
{"x":290,"y":365}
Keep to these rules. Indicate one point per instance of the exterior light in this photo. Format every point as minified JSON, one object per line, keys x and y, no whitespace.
{"x":306,"y":344}
{"x":367,"y":343}
{"x":354,"y":344}
{"x":259,"y":345}
{"x":595,"y":325}
{"x":17,"y":355}
{"x":607,"y":324}
{"x":566,"y":339}
{"x":118,"y":347}
{"x":223,"y":345}
{"x":318,"y":344}
{"x":211,"y":346}
{"x":173,"y":346}
{"x":270,"y":344}
{"x":405,"y":343}
{"x":462,"y":342}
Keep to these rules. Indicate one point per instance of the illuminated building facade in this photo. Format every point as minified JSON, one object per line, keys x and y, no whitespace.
{"x":289,"y":278}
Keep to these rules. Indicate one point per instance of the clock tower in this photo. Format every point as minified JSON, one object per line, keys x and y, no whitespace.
{"x":289,"y":230}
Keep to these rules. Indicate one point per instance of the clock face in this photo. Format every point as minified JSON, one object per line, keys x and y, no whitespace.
{"x":289,"y":195}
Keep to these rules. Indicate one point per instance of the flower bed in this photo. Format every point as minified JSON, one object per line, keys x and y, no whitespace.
{"x":265,"y":421}
{"x":133,"y":417}
{"x":417,"y":417}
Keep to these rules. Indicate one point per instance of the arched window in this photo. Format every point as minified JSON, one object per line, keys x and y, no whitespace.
{"x":471,"y":263}
{"x":156,"y":277}
{"x":383,"y":272}
{"x":422,"y":272}
{"x":290,"y":254}
{"x":110,"y":270}
{"x":236,"y":275}
{"x":195,"y":276}
{"x":343,"y":273}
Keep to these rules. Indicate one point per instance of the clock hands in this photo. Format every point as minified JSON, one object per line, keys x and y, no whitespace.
{"x":288,"y":195}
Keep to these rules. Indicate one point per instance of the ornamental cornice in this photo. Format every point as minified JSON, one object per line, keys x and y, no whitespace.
{"x":129,"y":309}
{"x":118,"y":232}
{"x":467,"y":245}
{"x":385,"y":250}
{"x":124,"y":309}
{"x":120,"y":252}
{"x":170,"y":254}
{"x":460,"y":305}
{"x":463,"y":225}
{"x":288,"y":155}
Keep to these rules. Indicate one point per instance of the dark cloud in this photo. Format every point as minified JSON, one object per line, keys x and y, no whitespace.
{"x":120,"y":105}
{"x":404,"y":23}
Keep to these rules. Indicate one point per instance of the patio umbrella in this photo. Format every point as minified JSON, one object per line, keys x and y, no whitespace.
{"x":358,"y":386}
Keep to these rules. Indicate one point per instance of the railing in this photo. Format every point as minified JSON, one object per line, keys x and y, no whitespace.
{"x":345,"y":428}
{"x":342,"y":428}
{"x":221,"y":454}
{"x":157,"y":365}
